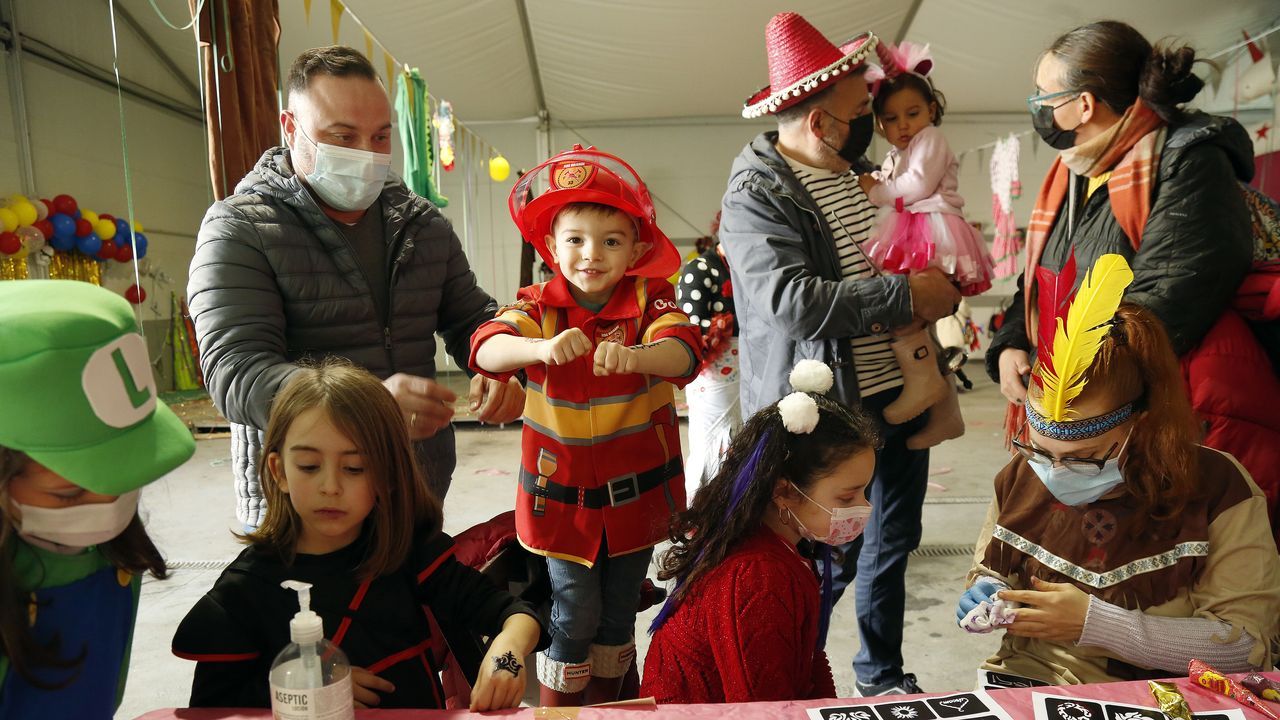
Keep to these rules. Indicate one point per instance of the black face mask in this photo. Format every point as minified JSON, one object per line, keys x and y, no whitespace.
{"x":1057,"y":138}
{"x":855,"y":145}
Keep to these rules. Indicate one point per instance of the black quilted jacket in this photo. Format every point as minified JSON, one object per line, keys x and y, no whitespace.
{"x":273,"y":281}
{"x":1196,"y":247}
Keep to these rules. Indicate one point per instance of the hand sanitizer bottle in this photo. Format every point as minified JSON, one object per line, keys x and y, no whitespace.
{"x":311,"y":677}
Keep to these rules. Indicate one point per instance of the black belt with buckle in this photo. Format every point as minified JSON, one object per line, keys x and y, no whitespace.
{"x":618,"y":491}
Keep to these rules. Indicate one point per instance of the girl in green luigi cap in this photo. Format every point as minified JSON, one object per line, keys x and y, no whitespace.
{"x":81,"y":431}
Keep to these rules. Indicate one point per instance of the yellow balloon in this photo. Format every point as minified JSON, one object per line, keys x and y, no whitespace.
{"x":89,"y":215}
{"x":137,"y":227}
{"x":8,"y":219}
{"x":26,"y":213}
{"x":499,"y":168}
{"x":105,"y":229}
{"x":16,"y":199}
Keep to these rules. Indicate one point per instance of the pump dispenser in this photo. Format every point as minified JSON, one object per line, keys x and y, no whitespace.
{"x":311,"y":677}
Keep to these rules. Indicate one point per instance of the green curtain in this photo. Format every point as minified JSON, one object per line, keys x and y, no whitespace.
{"x":415,"y":136}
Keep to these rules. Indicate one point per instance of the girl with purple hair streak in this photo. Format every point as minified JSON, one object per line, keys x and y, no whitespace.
{"x":748,"y":613}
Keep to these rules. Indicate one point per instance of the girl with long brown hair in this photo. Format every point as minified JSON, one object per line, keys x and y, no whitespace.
{"x":1116,"y":546}
{"x":349,"y":512}
{"x":747,"y":619}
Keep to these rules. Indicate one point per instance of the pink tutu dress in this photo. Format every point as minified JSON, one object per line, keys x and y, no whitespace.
{"x":922,"y":223}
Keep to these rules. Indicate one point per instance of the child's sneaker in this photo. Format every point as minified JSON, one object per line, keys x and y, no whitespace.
{"x":906,"y":685}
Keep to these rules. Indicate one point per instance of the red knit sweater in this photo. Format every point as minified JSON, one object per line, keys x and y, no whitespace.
{"x":747,"y":631}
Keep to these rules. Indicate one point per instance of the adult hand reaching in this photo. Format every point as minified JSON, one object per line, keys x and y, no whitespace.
{"x":933,"y":297}
{"x":1014,"y":365}
{"x":427,"y":405}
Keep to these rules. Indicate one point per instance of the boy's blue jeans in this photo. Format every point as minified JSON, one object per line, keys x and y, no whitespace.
{"x":596,"y":605}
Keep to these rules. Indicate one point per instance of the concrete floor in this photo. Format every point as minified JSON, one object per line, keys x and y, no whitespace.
{"x":191,"y":514}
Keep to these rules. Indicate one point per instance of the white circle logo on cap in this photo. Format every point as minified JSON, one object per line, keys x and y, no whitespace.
{"x":118,"y":383}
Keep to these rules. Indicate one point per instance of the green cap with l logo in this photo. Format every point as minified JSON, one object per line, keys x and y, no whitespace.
{"x":76,"y":390}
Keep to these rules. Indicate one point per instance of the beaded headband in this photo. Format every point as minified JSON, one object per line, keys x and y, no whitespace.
{"x":1071,"y":430}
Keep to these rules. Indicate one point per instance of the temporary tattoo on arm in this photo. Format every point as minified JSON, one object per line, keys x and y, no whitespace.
{"x":509,"y":663}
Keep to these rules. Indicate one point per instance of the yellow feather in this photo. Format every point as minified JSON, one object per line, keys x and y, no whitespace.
{"x":1076,"y":342}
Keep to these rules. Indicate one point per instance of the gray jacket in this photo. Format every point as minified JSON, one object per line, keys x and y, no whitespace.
{"x":792,"y":303}
{"x":273,"y":282}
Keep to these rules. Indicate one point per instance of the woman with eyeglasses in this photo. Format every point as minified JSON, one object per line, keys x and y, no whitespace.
{"x":1138,"y":175}
{"x":1116,"y":547}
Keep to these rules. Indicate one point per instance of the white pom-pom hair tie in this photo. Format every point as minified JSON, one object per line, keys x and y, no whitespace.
{"x":799,"y":412}
{"x":811,"y":376}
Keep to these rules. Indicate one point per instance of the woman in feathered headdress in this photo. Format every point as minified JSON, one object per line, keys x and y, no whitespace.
{"x":922,"y":225}
{"x":1116,"y":546}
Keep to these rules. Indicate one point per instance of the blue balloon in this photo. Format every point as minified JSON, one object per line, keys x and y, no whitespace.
{"x":78,"y":213}
{"x":63,"y":227}
{"x":140,"y":245}
{"x":63,"y":242}
{"x":122,"y":228}
{"x":89,"y":244}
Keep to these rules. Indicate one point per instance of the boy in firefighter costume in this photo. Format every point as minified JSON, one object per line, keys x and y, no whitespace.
{"x":602,"y":344}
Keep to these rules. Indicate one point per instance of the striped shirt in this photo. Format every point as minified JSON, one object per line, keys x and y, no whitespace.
{"x":852,"y":217}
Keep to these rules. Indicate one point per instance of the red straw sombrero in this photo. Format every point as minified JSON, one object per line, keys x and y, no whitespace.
{"x":801,"y":62}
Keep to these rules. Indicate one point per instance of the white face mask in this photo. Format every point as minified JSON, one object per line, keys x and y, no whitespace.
{"x":845,"y":526}
{"x":346,"y":178}
{"x":79,"y":526}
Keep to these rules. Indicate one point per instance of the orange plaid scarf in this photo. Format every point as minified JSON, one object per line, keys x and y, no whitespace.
{"x":1131,"y":150}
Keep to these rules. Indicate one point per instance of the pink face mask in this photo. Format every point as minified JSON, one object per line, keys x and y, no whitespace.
{"x":846,"y":523}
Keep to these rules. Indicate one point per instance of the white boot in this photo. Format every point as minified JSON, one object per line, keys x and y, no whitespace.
{"x":923,"y":385}
{"x":945,"y":422}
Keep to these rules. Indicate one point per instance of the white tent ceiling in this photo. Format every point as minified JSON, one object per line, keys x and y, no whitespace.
{"x":612,"y":60}
{"x":609,"y":60}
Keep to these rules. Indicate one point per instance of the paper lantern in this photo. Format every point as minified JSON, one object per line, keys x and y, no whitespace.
{"x":499,"y":168}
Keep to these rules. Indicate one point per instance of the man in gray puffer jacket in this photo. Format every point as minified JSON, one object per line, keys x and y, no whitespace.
{"x":321,"y":253}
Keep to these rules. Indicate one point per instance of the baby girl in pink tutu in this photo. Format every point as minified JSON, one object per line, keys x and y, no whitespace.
{"x":922,"y":224}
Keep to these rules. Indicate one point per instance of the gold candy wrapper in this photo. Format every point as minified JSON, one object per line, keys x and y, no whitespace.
{"x":1171,"y":701}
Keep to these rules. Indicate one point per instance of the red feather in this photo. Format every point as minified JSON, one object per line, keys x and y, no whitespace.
{"x":1054,"y":293}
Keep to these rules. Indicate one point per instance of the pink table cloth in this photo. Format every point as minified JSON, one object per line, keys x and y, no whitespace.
{"x":1016,"y":702}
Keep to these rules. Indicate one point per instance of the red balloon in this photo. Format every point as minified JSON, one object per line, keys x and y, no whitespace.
{"x":65,"y":204}
{"x":45,"y":227}
{"x":108,"y":251}
{"x":124,"y":253}
{"x":10,"y":243}
{"x":83,"y":227}
{"x":135,"y":294}
{"x":104,"y":216}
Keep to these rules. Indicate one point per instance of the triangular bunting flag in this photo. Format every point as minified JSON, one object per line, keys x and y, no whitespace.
{"x":336,"y":9}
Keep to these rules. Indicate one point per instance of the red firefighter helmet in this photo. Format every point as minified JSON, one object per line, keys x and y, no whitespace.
{"x":590,"y":176}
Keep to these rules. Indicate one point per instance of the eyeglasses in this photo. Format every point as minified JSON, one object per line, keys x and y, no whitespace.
{"x":1088,"y":467}
{"x":1035,"y":102}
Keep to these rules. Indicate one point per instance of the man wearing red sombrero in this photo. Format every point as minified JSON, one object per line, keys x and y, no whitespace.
{"x":603,"y":343}
{"x":793,"y":224}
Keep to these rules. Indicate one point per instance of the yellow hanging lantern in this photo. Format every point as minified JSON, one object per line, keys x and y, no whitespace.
{"x":499,"y":168}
